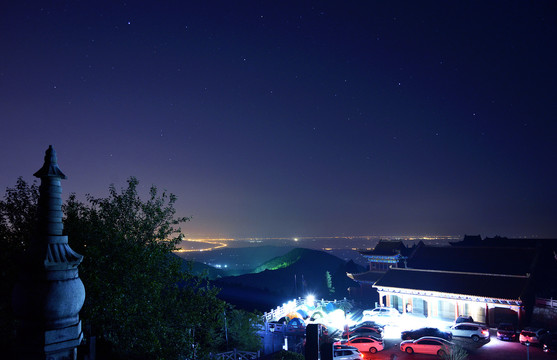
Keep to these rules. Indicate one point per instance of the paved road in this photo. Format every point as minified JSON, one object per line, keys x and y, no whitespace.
{"x":493,"y":350}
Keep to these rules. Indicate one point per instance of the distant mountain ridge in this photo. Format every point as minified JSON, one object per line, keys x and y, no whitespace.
{"x":237,"y":260}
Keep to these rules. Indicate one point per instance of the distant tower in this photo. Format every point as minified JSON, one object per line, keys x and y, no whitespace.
{"x":49,"y":293}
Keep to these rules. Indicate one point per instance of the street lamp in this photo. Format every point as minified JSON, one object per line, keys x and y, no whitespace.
{"x":310,"y":300}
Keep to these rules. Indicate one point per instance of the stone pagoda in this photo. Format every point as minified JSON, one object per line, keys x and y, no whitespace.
{"x":49,"y":293}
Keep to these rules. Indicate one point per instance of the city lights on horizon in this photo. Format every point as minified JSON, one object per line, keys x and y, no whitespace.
{"x":299,"y":238}
{"x":221,"y":242}
{"x":326,"y":243}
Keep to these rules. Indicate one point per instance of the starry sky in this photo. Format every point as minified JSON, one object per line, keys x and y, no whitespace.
{"x":293,"y":118}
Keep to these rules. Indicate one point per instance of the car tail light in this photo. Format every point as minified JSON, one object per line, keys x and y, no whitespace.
{"x":485,"y":332}
{"x":361,"y":355}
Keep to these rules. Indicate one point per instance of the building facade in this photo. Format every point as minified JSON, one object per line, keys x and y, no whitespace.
{"x":491,"y":283}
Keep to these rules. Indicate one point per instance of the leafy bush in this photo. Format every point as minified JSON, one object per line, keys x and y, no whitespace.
{"x":287,"y":355}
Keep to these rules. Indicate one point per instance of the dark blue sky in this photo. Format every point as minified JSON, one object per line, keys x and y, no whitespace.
{"x":293,"y":118}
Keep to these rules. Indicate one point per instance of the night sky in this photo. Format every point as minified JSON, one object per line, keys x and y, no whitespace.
{"x":293,"y":118}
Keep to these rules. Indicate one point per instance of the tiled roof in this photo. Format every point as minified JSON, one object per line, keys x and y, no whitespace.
{"x":386,"y":248}
{"x":490,"y":260}
{"x":472,"y":284}
{"x":369,"y":276}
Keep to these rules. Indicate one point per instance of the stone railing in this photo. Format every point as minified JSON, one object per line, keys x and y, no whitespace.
{"x":552,"y":303}
{"x":237,"y":355}
{"x":293,"y":305}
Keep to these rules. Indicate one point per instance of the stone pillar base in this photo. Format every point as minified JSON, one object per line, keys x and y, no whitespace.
{"x":53,"y":344}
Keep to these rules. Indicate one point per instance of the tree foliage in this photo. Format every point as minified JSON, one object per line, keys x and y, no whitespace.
{"x":139,"y":299}
{"x":457,"y":353}
{"x":17,"y":221}
{"x":287,"y":355}
{"x":240,"y":324}
{"x":329,"y":283}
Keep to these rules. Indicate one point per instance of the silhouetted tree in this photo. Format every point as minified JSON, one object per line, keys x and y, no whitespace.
{"x":17,"y":222}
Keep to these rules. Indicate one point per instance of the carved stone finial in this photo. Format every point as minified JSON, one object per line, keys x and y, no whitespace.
{"x":50,"y":166}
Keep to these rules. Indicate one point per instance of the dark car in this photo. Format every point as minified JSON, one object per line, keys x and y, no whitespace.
{"x":426,"y":331}
{"x":548,"y":340}
{"x":462,"y":319}
{"x":367,"y":323}
{"x":363,"y":330}
{"x":506,"y":331}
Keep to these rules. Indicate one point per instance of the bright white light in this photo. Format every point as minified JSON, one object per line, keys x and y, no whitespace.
{"x":310,"y":300}
{"x":336,"y":319}
{"x":295,"y":239}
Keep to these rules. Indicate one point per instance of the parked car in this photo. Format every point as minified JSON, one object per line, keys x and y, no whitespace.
{"x":473,"y":331}
{"x":382,"y":312}
{"x":342,"y":352}
{"x":367,"y":323}
{"x":427,"y":345}
{"x":548,"y":340}
{"x":531,"y":336}
{"x":506,"y":331}
{"x":382,"y":315}
{"x":464,"y":318}
{"x":426,"y":331}
{"x":363,"y":343}
{"x":363,"y":330}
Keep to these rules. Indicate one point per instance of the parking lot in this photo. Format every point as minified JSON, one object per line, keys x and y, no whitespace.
{"x":493,"y":349}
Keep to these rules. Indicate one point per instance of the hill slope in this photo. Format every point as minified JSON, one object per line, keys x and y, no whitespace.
{"x":237,"y":260}
{"x":201,"y":269}
{"x":295,"y":274}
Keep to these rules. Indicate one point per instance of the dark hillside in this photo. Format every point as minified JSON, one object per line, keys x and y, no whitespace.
{"x":237,"y":260}
{"x":202,"y":269}
{"x":296,"y":274}
{"x":289,"y":259}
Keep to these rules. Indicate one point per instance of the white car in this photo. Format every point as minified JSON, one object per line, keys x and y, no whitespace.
{"x":427,"y":345}
{"x":363,"y":343}
{"x":470,"y":330}
{"x":341,"y":352}
{"x":380,"y":312}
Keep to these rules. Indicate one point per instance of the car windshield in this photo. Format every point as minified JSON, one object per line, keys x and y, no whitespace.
{"x":506,"y":327}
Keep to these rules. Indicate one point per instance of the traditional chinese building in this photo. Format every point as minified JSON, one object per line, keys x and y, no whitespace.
{"x":386,"y":254}
{"x":491,"y":284}
{"x":448,"y":294}
{"x":493,"y":280}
